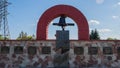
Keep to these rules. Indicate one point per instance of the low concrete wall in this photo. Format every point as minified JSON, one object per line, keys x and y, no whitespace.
{"x":28,"y":54}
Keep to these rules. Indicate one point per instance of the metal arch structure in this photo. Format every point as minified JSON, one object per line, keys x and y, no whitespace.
{"x":58,"y":10}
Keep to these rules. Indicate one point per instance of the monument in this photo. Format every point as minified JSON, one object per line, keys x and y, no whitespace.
{"x":61,"y":52}
{"x":62,"y":36}
{"x":62,"y":43}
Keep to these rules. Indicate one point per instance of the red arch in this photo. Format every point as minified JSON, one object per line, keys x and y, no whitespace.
{"x":56,"y":11}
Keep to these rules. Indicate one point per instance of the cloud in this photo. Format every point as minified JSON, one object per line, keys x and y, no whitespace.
{"x":99,"y":1}
{"x":104,"y":30}
{"x":115,"y":17}
{"x":94,"y":22}
{"x":117,"y":4}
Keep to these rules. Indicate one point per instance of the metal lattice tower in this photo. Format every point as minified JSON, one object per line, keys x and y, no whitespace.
{"x":4,"y":29}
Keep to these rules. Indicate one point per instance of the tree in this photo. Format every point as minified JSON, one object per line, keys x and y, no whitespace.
{"x":24,"y":36}
{"x":94,"y":35}
{"x":4,"y":38}
{"x":111,"y":38}
{"x":1,"y":37}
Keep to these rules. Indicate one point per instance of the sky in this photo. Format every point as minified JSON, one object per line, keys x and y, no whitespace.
{"x":103,"y":15}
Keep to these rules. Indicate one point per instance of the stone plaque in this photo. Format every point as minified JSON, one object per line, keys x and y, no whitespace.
{"x":62,"y":39}
{"x":18,"y":50}
{"x":32,"y":50}
{"x":78,"y":50}
{"x":118,"y":50}
{"x":46,"y":50}
{"x":5,"y":49}
{"x":92,"y":50}
{"x":107,"y":50}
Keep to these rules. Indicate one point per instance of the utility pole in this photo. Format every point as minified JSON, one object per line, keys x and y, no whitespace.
{"x":4,"y":28}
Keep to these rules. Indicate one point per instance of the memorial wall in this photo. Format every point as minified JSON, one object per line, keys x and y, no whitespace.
{"x":28,"y":54}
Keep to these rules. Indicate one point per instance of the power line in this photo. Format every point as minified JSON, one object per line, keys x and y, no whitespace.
{"x":4,"y":28}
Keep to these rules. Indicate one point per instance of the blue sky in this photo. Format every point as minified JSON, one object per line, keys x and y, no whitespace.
{"x":104,"y":15}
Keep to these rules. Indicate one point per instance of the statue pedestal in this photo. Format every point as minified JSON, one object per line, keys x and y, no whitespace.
{"x":61,"y":58}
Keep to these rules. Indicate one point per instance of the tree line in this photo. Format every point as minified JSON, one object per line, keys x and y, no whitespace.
{"x":22,"y":36}
{"x":25,"y":36}
{"x":94,"y":35}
